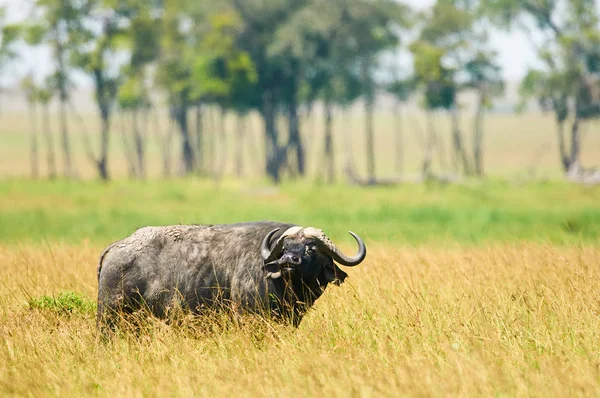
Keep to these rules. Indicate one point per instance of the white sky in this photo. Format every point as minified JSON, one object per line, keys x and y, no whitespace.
{"x":515,"y":51}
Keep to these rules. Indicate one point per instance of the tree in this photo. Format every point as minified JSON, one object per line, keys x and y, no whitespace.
{"x":484,"y":77}
{"x":174,"y":72}
{"x":439,"y":92}
{"x":313,"y":38}
{"x":375,"y":27}
{"x":45,"y":93}
{"x":567,"y":83}
{"x":56,"y":21}
{"x":30,"y":89}
{"x":451,"y":55}
{"x":132,"y":101}
{"x":10,"y":34}
{"x":224,"y":75}
{"x":277,"y":72}
{"x":95,"y":55}
{"x":329,"y":42}
{"x":141,"y":31}
{"x":401,"y":89}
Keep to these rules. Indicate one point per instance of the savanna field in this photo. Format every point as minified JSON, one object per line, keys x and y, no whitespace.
{"x":478,"y":288}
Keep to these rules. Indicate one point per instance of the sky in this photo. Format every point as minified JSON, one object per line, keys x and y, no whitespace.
{"x":516,"y":54}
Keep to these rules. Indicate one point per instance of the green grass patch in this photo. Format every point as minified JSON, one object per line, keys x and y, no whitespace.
{"x":473,"y":212}
{"x":64,"y":304}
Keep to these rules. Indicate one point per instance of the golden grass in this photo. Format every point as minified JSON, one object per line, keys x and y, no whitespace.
{"x":502,"y":320}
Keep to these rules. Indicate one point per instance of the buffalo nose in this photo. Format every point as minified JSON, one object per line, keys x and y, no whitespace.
{"x":291,"y":259}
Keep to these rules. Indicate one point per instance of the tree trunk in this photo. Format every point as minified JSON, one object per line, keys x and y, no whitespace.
{"x":370,"y":138}
{"x":66,"y":143}
{"x":251,"y":143}
{"x":399,"y":145}
{"x":459,"y":153}
{"x":564,"y":156}
{"x":167,"y":149}
{"x":35,"y":165}
{"x":329,"y":155}
{"x":295,"y":141}
{"x":102,"y":162}
{"x":370,"y":134}
{"x":478,"y":139}
{"x":440,"y":145}
{"x":429,"y":145}
{"x":165,"y":138}
{"x":128,"y":152}
{"x":309,"y":129}
{"x":239,"y":141}
{"x":63,"y":97}
{"x":575,"y":143}
{"x":199,"y":140}
{"x":50,"y":155}
{"x":223,"y":143}
{"x":139,"y":145}
{"x":350,"y":167}
{"x":209,"y":141}
{"x":274,"y":154}
{"x":187,"y":154}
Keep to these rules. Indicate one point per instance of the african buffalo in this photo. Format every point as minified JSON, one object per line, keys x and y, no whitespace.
{"x":249,"y":267}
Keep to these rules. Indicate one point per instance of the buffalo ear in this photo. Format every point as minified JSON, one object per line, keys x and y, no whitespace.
{"x":332,"y":274}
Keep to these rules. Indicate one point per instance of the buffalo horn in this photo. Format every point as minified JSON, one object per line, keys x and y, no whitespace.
{"x":327,"y":246}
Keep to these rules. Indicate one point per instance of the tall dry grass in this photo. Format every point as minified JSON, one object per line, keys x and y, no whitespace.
{"x":505,"y":320}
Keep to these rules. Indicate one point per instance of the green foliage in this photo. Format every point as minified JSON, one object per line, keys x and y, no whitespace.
{"x":11,"y":33}
{"x":29,"y":88}
{"x":60,"y":25}
{"x":145,"y":37}
{"x":133,"y":94}
{"x":223,"y":73}
{"x":330,"y":40}
{"x":548,"y":89}
{"x":140,"y":36}
{"x":438,"y":80}
{"x":567,"y":83}
{"x":95,"y":51}
{"x":34,"y":34}
{"x":174,"y":74}
{"x":64,"y":304}
{"x":484,"y":75}
{"x":402,"y":89}
{"x":451,"y":54}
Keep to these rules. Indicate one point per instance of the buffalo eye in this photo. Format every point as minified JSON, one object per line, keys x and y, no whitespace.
{"x":311,"y":248}
{"x":311,"y":244}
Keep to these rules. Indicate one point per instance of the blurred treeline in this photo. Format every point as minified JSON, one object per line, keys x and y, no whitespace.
{"x":278,"y":59}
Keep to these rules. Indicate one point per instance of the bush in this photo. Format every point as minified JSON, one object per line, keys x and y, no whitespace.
{"x":65,"y":304}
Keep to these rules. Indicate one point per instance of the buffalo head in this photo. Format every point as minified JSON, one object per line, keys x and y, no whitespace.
{"x":308,"y":254}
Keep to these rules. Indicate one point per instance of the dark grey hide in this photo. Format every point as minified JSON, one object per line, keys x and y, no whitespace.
{"x":218,"y":266}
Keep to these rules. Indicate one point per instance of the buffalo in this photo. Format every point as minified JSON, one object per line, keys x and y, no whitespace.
{"x":264,"y":267}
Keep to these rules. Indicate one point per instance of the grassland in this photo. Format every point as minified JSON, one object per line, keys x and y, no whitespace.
{"x":481,"y":288}
{"x":497,"y":320}
{"x":470,"y":213}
